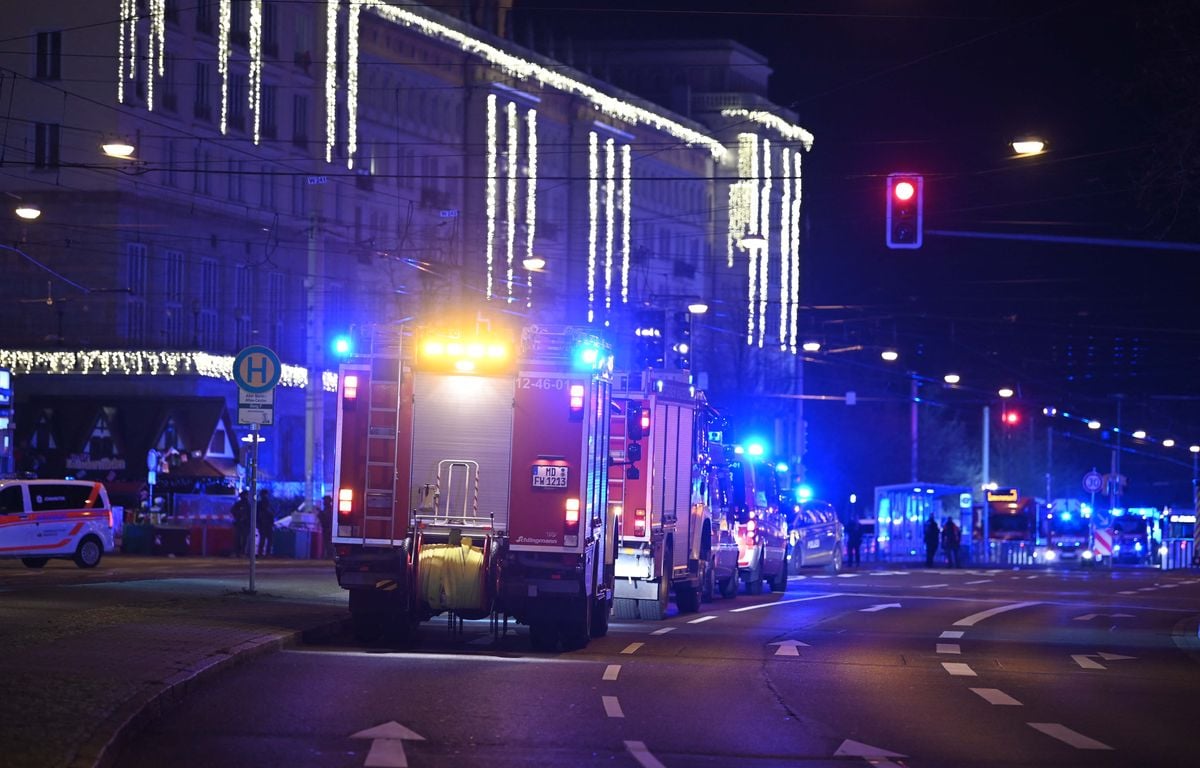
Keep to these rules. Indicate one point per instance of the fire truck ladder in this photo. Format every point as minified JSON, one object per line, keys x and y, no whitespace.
{"x":379,"y":490}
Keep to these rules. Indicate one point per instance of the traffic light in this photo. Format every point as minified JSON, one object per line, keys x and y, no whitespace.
{"x":905,"y":215}
{"x":648,"y":332}
{"x":681,"y":338}
{"x":1011,"y":418}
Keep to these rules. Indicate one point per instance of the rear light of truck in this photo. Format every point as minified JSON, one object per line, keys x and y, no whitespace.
{"x":639,"y":522}
{"x":576,"y":399}
{"x":571,"y":523}
{"x":645,"y":420}
{"x":350,"y":387}
{"x":345,"y":501}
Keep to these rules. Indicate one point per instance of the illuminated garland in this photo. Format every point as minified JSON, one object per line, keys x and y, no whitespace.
{"x":523,"y":69}
{"x":593,"y":216}
{"x":157,"y":45}
{"x":764,"y":229}
{"x":530,"y":198}
{"x":490,"y":196}
{"x":626,"y":202}
{"x":331,"y":11}
{"x":254,"y":94}
{"x":510,"y":112}
{"x":743,"y":194}
{"x":352,"y":83}
{"x":224,"y":19}
{"x":785,"y":244}
{"x":748,"y":170}
{"x":93,"y":362}
{"x":774,"y":122}
{"x":610,"y":212}
{"x":126,"y":46}
{"x":797,"y":198}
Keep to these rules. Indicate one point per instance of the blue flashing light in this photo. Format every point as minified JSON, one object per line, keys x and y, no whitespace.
{"x":755,"y":449}
{"x":782,"y":467}
{"x":342,"y":345}
{"x":804,"y":493}
{"x":1065,"y":516}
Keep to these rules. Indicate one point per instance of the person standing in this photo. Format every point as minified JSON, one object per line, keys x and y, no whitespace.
{"x":264,"y":522}
{"x":325,"y":516}
{"x":241,"y":523}
{"x":932,"y":534}
{"x":854,"y":537}
{"x":951,"y":538}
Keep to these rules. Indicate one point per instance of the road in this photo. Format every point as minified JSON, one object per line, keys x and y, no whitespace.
{"x":909,"y":667}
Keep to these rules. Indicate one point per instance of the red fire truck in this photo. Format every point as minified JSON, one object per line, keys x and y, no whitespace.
{"x":658,"y":488}
{"x":471,"y":479}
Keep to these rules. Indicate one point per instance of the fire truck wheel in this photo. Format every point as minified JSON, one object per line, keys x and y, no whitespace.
{"x":367,"y":625}
{"x":89,"y":552}
{"x":708,"y":582}
{"x":754,"y":580}
{"x":600,"y":614}
{"x":543,"y":636}
{"x":729,"y":586}
{"x":687,"y":598}
{"x":35,"y":562}
{"x":576,"y":631}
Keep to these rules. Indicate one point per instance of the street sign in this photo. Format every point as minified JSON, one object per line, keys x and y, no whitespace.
{"x":256,"y":369}
{"x":1093,"y":482}
{"x":256,"y":407}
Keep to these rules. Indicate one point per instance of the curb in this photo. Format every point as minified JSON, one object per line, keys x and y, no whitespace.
{"x":116,"y":730}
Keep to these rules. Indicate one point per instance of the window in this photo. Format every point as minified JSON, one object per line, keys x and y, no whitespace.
{"x":266,"y":188}
{"x":12,"y":499}
{"x":237,"y":100}
{"x":300,"y":120}
{"x":302,"y":41}
{"x":135,"y":278}
{"x":198,"y":170}
{"x":170,"y":89}
{"x":270,"y":31}
{"x":204,"y":16}
{"x":45,"y":145}
{"x":48,"y":65}
{"x":210,"y":289}
{"x":173,"y":276}
{"x":239,"y":22}
{"x":267,"y":120}
{"x":135,"y":322}
{"x":203,"y":103}
{"x":170,"y":155}
{"x":65,"y":496}
{"x":241,"y":306}
{"x":234,"y":174}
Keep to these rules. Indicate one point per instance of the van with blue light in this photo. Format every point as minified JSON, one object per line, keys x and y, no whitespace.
{"x":45,"y":519}
{"x":761,"y":530}
{"x":1068,"y":531}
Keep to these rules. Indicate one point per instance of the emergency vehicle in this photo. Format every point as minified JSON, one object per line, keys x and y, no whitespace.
{"x":761,"y":528}
{"x":471,"y":480}
{"x":44,"y":519}
{"x":659,"y":490}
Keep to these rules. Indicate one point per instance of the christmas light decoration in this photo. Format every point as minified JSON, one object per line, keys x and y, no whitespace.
{"x":490,"y":196}
{"x":352,"y":83}
{"x":530,"y":197}
{"x":523,"y":69}
{"x":797,"y":199}
{"x":774,"y":122}
{"x":626,"y":202}
{"x":224,"y":20}
{"x":511,"y":196}
{"x":157,"y":46}
{"x":764,"y":230}
{"x":126,"y":46}
{"x":593,"y":219}
{"x":610,"y":189}
{"x":785,"y":233}
{"x":254,"y":94}
{"x":331,"y":13}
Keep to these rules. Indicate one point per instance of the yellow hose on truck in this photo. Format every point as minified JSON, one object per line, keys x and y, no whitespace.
{"x":451,"y":576}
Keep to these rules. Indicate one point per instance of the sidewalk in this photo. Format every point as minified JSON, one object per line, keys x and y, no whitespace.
{"x":74,"y":685}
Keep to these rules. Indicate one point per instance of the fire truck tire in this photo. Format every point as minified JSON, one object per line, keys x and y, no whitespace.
{"x":687,"y":598}
{"x":600,"y":613}
{"x":543,"y":636}
{"x":729,"y":586}
{"x":754,"y":580}
{"x":89,"y":552}
{"x":576,"y":630}
{"x":708,"y":582}
{"x":35,"y":562}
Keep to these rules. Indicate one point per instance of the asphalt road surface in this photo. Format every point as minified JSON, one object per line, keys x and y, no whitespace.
{"x":913,"y":667}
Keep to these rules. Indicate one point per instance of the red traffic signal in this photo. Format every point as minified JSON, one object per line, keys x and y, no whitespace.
{"x":905,"y":214}
{"x":1011,"y":418}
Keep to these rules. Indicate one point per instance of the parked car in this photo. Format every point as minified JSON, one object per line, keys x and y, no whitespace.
{"x":44,"y":519}
{"x":815,"y":536}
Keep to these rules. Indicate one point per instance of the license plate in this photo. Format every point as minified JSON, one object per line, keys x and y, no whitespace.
{"x":549,"y":476}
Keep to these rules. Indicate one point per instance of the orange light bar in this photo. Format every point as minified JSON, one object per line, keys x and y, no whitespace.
{"x":345,"y":501}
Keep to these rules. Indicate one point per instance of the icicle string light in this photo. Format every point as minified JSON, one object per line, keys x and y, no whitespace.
{"x":764,"y":231}
{"x":593,"y":219}
{"x":224,"y":20}
{"x":155,"y":47}
{"x":626,"y":204}
{"x":126,"y":42}
{"x":490,"y":196}
{"x":785,"y":244}
{"x":352,"y":83}
{"x":785,"y":129}
{"x":797,"y":197}
{"x":331,"y":53}
{"x":531,"y":176}
{"x":254,"y":92}
{"x":523,"y":69}
{"x":610,"y":192}
{"x":511,"y":195}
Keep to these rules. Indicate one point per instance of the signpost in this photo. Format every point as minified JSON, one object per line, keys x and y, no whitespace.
{"x":256,"y":370}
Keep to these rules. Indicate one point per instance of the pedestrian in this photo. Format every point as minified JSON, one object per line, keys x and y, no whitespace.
{"x":854,"y":537}
{"x":951,"y":538}
{"x":932,"y":534}
{"x":264,"y":522}
{"x":241,"y":523}
{"x":326,"y":518}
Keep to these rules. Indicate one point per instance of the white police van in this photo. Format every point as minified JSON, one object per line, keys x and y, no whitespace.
{"x":41,"y":519}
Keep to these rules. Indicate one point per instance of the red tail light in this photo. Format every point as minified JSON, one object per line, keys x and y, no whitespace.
{"x":645,"y":420}
{"x":639,"y":522}
{"x":350,"y":387}
{"x":571,"y":523}
{"x":576,"y":398}
{"x":345,"y":501}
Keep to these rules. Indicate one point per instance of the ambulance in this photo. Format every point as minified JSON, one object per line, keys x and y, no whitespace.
{"x":44,"y":519}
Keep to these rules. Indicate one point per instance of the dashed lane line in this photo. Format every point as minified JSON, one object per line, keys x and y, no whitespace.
{"x":1127,"y":592}
{"x":949,"y":648}
{"x":664,"y":630}
{"x":997,"y":697}
{"x":958,"y":669}
{"x":637,"y":749}
{"x":703,"y":619}
{"x":612,"y":707}
{"x":975,"y":618}
{"x":1068,"y":736}
{"x":632,"y":647}
{"x":932,"y":586}
{"x":979,"y":581}
{"x":951,"y":634}
{"x":611,"y":671}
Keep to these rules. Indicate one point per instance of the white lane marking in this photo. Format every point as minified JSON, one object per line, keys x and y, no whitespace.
{"x":932,"y":586}
{"x":975,"y":618}
{"x":1033,"y":577}
{"x":612,"y":707}
{"x":632,"y":647}
{"x":958,"y":669}
{"x":1068,"y":736}
{"x":1090,"y":616}
{"x":979,"y":581}
{"x":1127,"y":592}
{"x":878,"y":608}
{"x":639,"y":752}
{"x":786,"y":602}
{"x":951,"y":634}
{"x":703,"y":619}
{"x":823,"y":577}
{"x":1086,"y":662}
{"x":951,"y":648}
{"x":876,"y":756}
{"x":1170,"y":586}
{"x":1147,"y":589}
{"x":664,"y":630}
{"x":611,"y":671}
{"x":848,"y":575}
{"x":997,"y":697}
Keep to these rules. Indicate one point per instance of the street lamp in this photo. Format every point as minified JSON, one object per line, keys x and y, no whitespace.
{"x":890,"y":355}
{"x":1027,"y":146}
{"x":27,"y":212}
{"x":117,"y":148}
{"x":951,"y":378}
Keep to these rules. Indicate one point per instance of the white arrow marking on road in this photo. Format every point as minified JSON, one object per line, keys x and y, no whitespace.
{"x":387,"y":745}
{"x":880,"y":607}
{"x":876,"y":756}
{"x":789,"y":647}
{"x":975,"y":618}
{"x":642,"y":755}
{"x":1090,"y":616}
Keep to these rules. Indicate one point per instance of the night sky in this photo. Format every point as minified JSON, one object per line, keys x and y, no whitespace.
{"x":940,"y":88}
